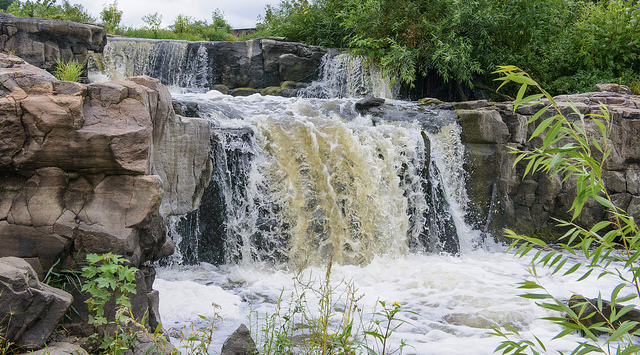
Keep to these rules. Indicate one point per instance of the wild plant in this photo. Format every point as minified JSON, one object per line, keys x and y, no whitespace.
{"x":335,"y":326}
{"x":382,"y":327}
{"x":198,"y":340}
{"x":611,"y":247}
{"x":69,"y":71}
{"x":108,"y":277}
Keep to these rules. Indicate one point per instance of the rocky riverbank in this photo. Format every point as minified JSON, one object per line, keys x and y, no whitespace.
{"x":529,"y":205}
{"x":92,"y":169}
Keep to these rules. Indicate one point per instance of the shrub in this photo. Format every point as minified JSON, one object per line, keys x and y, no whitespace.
{"x":569,"y":44}
{"x":49,"y":9}
{"x":111,"y":17}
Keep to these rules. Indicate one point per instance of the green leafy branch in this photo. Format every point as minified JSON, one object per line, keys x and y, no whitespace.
{"x":565,"y":145}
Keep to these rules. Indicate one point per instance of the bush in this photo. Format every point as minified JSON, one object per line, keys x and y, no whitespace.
{"x":569,"y":44}
{"x":69,"y":71}
{"x":49,"y":9}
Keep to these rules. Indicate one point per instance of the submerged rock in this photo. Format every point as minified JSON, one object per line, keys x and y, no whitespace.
{"x":370,"y":105}
{"x":577,"y":302}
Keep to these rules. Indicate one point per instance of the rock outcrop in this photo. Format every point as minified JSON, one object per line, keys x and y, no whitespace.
{"x":41,"y":42}
{"x":94,"y":169}
{"x":489,"y":130}
{"x":29,"y":309}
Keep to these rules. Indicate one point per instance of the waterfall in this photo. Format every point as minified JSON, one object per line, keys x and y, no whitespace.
{"x":123,"y":58}
{"x":305,"y":180}
{"x":346,"y":75}
{"x":301,"y":181}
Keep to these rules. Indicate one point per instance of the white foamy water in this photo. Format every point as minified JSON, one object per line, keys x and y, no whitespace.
{"x":456,"y":298}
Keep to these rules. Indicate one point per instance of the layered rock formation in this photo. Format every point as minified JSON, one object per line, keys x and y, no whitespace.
{"x":488,"y":130}
{"x":94,"y":169}
{"x":43,"y":41}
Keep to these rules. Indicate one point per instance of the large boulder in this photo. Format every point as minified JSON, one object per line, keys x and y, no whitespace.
{"x":43,"y":41}
{"x":29,"y":309}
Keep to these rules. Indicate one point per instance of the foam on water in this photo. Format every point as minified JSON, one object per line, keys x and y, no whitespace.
{"x":456,"y":298}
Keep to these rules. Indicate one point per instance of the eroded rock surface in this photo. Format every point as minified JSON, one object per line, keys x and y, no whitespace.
{"x":94,"y":169}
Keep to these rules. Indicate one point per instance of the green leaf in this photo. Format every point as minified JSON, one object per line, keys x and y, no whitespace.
{"x":538,"y":114}
{"x":623,"y":329}
{"x":536,"y":296}
{"x":520,"y":94}
{"x":573,"y":269}
{"x":542,"y":126}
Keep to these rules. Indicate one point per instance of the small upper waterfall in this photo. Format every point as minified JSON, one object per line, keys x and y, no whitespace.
{"x":199,"y":66}
{"x":175,"y":63}
{"x":345,"y":75}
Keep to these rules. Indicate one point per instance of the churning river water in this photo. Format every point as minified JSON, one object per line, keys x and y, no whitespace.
{"x":300,"y":182}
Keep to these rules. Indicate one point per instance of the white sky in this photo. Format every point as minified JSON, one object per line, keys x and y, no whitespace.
{"x":239,"y":13}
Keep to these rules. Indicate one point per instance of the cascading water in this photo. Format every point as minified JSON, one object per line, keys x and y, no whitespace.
{"x":301,"y":181}
{"x":308,"y":180}
{"x":345,"y":75}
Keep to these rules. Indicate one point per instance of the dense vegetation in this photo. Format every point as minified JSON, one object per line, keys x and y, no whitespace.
{"x":569,"y":44}
{"x":47,"y":9}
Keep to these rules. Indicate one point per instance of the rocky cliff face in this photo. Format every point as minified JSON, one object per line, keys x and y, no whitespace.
{"x":488,"y":130}
{"x":94,"y":169}
{"x":41,"y":41}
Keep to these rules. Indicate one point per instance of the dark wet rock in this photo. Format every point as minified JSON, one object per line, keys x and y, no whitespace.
{"x":371,"y":105}
{"x":529,"y":205}
{"x":239,"y":343}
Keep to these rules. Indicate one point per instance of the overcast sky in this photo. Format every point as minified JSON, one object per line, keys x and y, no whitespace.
{"x":239,"y":13}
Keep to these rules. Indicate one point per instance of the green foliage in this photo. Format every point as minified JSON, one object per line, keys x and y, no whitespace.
{"x":4,"y":4}
{"x":611,"y":247}
{"x":381,"y":330}
{"x":334,"y":327}
{"x":49,"y":9}
{"x":569,"y":44}
{"x":69,"y":71}
{"x":184,"y":28}
{"x":108,"y":278}
{"x":153,"y":22}
{"x":111,"y":17}
{"x":198,"y":340}
{"x":314,"y":22}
